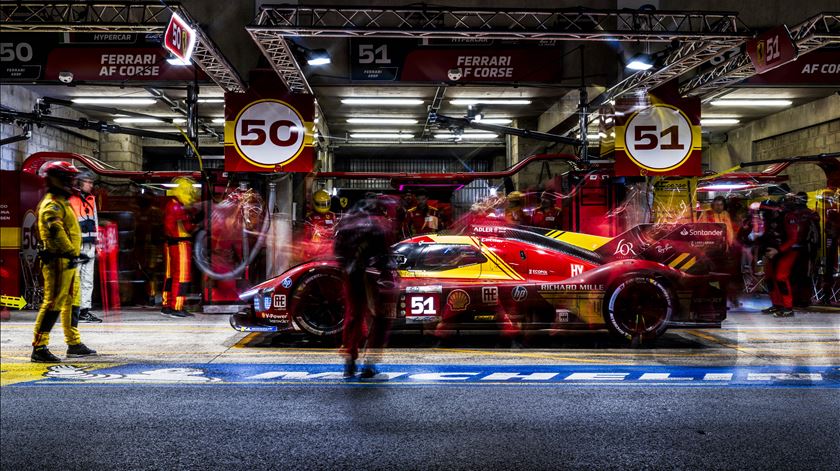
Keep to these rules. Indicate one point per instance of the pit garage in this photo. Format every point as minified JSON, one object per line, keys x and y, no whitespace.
{"x":383,"y":235}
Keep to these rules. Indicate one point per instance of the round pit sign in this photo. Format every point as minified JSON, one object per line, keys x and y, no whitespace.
{"x":268,"y":133}
{"x":658,"y":138}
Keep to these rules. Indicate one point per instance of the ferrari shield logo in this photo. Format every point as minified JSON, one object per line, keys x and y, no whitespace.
{"x":343,"y":201}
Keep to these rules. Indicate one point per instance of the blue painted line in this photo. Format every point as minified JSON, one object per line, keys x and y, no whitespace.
{"x":475,"y":375}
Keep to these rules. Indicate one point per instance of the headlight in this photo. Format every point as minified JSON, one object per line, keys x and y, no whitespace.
{"x":247,"y":295}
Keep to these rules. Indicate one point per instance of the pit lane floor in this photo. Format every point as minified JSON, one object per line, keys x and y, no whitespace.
{"x":761,"y":393}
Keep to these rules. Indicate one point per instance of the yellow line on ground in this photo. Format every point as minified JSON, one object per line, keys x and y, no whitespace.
{"x":520,"y":354}
{"x":245,"y":340}
{"x":715,"y":339}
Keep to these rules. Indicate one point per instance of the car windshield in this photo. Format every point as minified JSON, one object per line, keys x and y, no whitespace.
{"x":436,"y":257}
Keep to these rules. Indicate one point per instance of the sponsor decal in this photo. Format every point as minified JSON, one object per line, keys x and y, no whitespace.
{"x":421,"y":305}
{"x":519,"y":293}
{"x":458,"y":300}
{"x":424,"y":289}
{"x":561,"y":315}
{"x":488,"y":229}
{"x":280,"y":301}
{"x":684,"y":232}
{"x":475,"y":375}
{"x":490,"y":295}
{"x":576,"y":269}
{"x":538,"y":272}
{"x":572,"y":287}
{"x":664,"y":248}
{"x":484,"y":317}
{"x":287,"y":283}
{"x":272,"y":317}
{"x":624,"y":248}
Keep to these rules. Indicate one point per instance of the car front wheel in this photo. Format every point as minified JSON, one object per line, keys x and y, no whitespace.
{"x":319,"y":302}
{"x":638,"y":308}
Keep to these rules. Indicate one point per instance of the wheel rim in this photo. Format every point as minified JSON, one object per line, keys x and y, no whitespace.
{"x":319,"y":302}
{"x":639,"y":307}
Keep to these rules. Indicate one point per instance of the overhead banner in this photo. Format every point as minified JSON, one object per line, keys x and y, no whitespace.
{"x":657,"y":136}
{"x":771,"y":49}
{"x":453,"y":61}
{"x":268,"y":129}
{"x":821,"y":67}
{"x":89,"y":57}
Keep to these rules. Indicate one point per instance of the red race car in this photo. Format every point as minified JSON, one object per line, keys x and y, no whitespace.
{"x":636,"y":285}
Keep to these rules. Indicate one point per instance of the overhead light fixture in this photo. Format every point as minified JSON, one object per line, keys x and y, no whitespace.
{"x":211,"y":100}
{"x":382,"y":101}
{"x":218,"y":121}
{"x":131,"y":120}
{"x":115,"y":101}
{"x":374,"y":131}
{"x":381,"y":135}
{"x":718,"y":121}
{"x":386,"y":121}
{"x":640,"y":62}
{"x":465,"y":136}
{"x":488,"y":101}
{"x":177,"y":61}
{"x":318,"y":57}
{"x":756,"y":102}
{"x":501,"y":121}
{"x":593,"y":137}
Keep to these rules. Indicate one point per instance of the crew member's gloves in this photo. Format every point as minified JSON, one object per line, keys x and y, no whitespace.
{"x":83,"y":258}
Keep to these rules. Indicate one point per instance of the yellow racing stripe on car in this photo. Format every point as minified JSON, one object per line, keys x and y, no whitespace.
{"x":507,"y":269}
{"x":678,"y":260}
{"x":689,"y":264}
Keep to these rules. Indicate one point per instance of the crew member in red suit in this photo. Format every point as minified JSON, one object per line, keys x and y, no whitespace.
{"x":547,"y":215}
{"x":809,"y":243}
{"x":782,"y":260}
{"x":319,"y":227}
{"x":515,"y":214}
{"x":178,"y":228}
{"x":422,"y":219}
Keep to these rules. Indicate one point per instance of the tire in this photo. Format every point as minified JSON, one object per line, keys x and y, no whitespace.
{"x":318,"y":303}
{"x":638,"y":308}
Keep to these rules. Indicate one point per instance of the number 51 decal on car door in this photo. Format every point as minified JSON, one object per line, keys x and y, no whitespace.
{"x":422,"y":305}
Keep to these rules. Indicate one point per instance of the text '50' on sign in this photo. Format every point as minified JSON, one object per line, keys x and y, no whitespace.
{"x":268,"y":132}
{"x":179,"y":38}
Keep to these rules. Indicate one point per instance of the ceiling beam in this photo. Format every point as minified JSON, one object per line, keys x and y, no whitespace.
{"x":118,"y":17}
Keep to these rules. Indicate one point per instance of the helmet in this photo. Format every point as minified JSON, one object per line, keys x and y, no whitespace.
{"x":86,"y":175}
{"x":321,"y":199}
{"x":184,"y":190}
{"x":515,"y":197}
{"x":59,"y":175}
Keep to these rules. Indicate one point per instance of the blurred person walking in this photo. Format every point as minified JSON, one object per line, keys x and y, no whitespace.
{"x":178,"y":228}
{"x":84,"y":206}
{"x":59,"y":232}
{"x":362,"y":247}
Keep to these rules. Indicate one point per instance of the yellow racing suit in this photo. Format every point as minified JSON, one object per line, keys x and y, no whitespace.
{"x":59,"y":231}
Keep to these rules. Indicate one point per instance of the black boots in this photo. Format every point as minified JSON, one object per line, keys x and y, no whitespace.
{"x":80,"y":350}
{"x":43,"y":355}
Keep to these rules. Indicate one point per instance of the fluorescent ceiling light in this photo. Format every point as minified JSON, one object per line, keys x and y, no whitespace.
{"x":382,"y":101}
{"x":319,"y":61}
{"x":757,"y":102}
{"x":375,"y":131}
{"x":177,"y":61}
{"x":115,"y":101}
{"x":496,"y":121}
{"x":718,"y":121}
{"x":318,"y":57}
{"x":381,"y":135}
{"x":466,"y":136}
{"x":148,"y":120}
{"x":390,"y":121}
{"x":211,"y":100}
{"x":488,"y":101}
{"x":218,"y":121}
{"x":593,"y":137}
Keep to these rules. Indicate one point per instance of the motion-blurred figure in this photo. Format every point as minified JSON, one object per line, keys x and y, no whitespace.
{"x":422,"y":219}
{"x":515,"y":212}
{"x":808,"y":244}
{"x":178,"y":228}
{"x":547,"y":215}
{"x":84,"y":206}
{"x":233,"y":221}
{"x":61,"y":237}
{"x":362,"y":247}
{"x":320,"y":227}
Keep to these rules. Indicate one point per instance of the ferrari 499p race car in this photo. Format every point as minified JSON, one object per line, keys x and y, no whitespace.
{"x":636,"y":285}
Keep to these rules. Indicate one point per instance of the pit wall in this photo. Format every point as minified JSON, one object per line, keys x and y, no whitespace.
{"x":809,"y":129}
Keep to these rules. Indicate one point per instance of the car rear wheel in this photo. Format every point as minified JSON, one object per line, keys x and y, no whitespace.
{"x":638,"y":308}
{"x":319,"y":302}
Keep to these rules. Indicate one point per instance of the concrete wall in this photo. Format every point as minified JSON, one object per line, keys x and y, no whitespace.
{"x":121,"y":151}
{"x":44,"y":138}
{"x":812,"y":128}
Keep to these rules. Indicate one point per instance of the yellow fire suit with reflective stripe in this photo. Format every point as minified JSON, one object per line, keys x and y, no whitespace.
{"x":60,"y":233}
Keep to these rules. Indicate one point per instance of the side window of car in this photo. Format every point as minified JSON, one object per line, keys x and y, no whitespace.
{"x":447,"y":257}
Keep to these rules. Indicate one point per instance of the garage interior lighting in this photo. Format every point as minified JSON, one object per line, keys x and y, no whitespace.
{"x":387,"y":121}
{"x":640,"y":62}
{"x":148,"y":120}
{"x":115,"y":101}
{"x":382,"y":101}
{"x":218,"y":121}
{"x":381,"y":135}
{"x":211,"y":100}
{"x":472,"y":136}
{"x":718,"y":121}
{"x":500,"y":121}
{"x":488,"y":101}
{"x":758,"y":102}
{"x":318,"y":57}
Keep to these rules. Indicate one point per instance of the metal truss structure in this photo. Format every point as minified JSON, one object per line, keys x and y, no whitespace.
{"x":117,"y":17}
{"x":808,"y":36}
{"x":717,"y":31}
